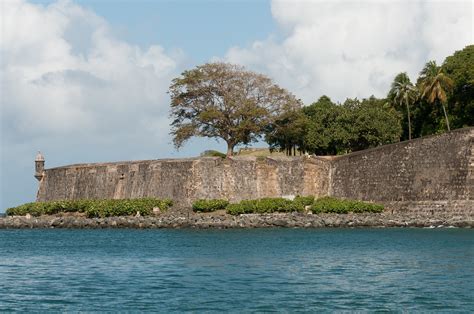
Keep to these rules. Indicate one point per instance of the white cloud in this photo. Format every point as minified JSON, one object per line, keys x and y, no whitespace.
{"x":355,"y":48}
{"x":73,"y":90}
{"x":63,"y":71}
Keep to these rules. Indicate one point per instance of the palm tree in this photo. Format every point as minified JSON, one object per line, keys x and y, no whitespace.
{"x":403,"y":92}
{"x":434,"y":86}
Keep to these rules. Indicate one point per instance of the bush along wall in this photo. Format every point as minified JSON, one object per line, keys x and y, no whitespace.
{"x":300,"y":203}
{"x":92,"y":208}
{"x":203,"y":205}
{"x":265,"y":205}
{"x":304,"y":200}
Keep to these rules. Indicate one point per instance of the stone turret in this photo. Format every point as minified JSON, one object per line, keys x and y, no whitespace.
{"x":39,"y":166}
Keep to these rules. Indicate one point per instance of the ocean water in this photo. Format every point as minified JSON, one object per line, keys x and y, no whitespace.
{"x":260,"y":270}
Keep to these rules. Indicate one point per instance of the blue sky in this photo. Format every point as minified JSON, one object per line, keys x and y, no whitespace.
{"x":202,"y":29}
{"x":185,"y":25}
{"x":86,"y":81}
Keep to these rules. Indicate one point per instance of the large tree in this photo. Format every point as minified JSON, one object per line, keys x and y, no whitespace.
{"x":435,"y":85}
{"x":373,"y":122}
{"x":287,"y":131}
{"x":460,"y":68}
{"x":403,"y":93}
{"x":326,"y":130}
{"x":354,"y":125}
{"x":221,"y":100}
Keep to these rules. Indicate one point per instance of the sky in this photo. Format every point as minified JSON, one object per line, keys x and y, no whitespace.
{"x":87,"y":81}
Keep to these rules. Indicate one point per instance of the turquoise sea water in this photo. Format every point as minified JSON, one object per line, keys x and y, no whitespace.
{"x":237,"y":270}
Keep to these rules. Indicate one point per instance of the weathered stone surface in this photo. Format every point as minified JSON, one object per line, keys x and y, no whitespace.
{"x":434,"y":173}
{"x":434,"y":168}
{"x":185,"y":180}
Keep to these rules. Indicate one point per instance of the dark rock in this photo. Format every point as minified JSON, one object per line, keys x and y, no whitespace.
{"x":400,"y":219}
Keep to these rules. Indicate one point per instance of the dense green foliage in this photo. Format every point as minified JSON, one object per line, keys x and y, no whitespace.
{"x":372,"y":123}
{"x":460,"y":68}
{"x":92,"y":208}
{"x":321,"y":205}
{"x":49,"y":208}
{"x":264,"y":205}
{"x":327,"y":128}
{"x":340,"y":206}
{"x":334,"y":129}
{"x":443,"y":95}
{"x":203,"y":205}
{"x":304,"y":200}
{"x":287,"y":131}
{"x":447,"y":88}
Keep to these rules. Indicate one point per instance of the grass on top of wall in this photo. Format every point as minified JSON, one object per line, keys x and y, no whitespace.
{"x":92,"y":208}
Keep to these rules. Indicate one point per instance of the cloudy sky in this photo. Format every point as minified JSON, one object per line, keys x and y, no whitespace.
{"x":86,"y":81}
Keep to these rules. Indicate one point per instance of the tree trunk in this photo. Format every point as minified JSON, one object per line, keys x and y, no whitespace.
{"x":409,"y":120}
{"x":446,"y":116}
{"x":230,"y":149}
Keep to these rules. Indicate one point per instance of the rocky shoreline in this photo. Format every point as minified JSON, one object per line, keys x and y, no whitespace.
{"x":224,"y":221}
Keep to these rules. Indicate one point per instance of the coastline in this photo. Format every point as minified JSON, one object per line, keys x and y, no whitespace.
{"x":177,"y":220}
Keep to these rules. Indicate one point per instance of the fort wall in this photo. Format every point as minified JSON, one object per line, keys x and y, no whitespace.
{"x":185,"y":180}
{"x":432,"y":172}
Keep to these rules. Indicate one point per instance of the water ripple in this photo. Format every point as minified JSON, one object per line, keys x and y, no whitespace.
{"x":273,"y":270}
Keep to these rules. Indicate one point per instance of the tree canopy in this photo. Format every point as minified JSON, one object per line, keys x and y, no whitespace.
{"x":460,"y":68}
{"x":448,"y":96}
{"x":327,"y":128}
{"x":226,"y":101}
{"x":221,"y":100}
{"x":435,"y":86}
{"x":403,"y":93}
{"x":287,"y":131}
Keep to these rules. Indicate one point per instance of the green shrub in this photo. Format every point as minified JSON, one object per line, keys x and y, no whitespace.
{"x":304,"y":200}
{"x":239,"y":208}
{"x":340,"y":206}
{"x":264,"y":205}
{"x":203,"y":205}
{"x":321,"y":205}
{"x":92,"y":208}
{"x":49,"y":208}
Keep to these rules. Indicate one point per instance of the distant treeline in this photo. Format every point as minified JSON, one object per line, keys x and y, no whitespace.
{"x":441,"y":99}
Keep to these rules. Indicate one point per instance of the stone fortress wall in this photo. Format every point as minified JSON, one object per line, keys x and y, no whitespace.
{"x":435,"y":173}
{"x":430,"y":173}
